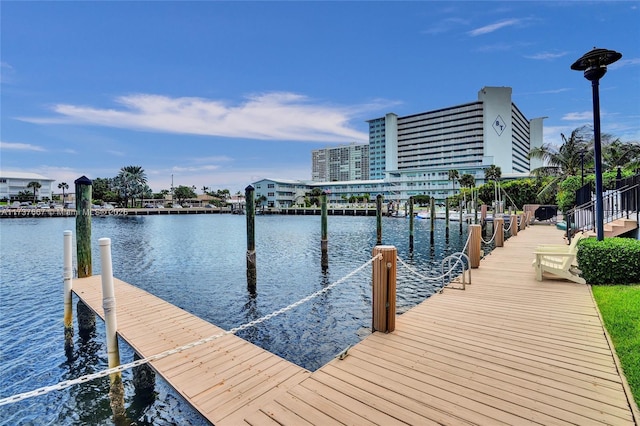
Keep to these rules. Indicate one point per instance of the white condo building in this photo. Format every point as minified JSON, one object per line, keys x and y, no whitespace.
{"x":412,"y":155}
{"x":415,"y":153}
{"x":341,"y":163}
{"x":12,"y":183}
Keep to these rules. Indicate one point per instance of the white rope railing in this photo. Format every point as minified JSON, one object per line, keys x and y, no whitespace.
{"x":493,"y":237}
{"x":508,"y":229}
{"x":443,"y":276}
{"x":83,"y":379}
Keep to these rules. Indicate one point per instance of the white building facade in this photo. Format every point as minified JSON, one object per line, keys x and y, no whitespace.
{"x":12,"y":183}
{"x":415,"y":153}
{"x":412,"y":155}
{"x":341,"y":163}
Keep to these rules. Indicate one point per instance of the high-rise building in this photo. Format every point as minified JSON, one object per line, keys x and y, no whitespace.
{"x":342,"y":163}
{"x":414,"y":153}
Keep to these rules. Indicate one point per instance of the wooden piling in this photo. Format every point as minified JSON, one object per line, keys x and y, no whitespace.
{"x":523,"y":221}
{"x":461,"y":217}
{"x":83,"y":226}
{"x":109,"y":303}
{"x":379,"y":219}
{"x":514,"y":225}
{"x":446,"y":217}
{"x":475,"y":231}
{"x":144,"y":381}
{"x":116,"y":389}
{"x":83,"y":187}
{"x":68,"y":286}
{"x":251,"y":237}
{"x":384,"y":289}
{"x":498,"y":225}
{"x":432,"y":216}
{"x":411,"y":220}
{"x":324,"y":242}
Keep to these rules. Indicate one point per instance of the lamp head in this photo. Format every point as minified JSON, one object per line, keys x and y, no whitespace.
{"x":594,"y":63}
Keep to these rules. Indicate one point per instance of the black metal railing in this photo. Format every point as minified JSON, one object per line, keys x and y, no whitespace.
{"x":623,"y":202}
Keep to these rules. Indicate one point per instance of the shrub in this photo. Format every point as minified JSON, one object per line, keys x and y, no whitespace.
{"x":610,"y":261}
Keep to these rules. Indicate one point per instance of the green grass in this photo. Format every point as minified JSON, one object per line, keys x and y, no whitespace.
{"x":620,"y":309}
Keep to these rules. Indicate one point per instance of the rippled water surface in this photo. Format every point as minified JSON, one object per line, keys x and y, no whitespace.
{"x":196,"y":262}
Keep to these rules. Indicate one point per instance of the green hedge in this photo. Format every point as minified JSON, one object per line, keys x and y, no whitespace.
{"x":610,"y":261}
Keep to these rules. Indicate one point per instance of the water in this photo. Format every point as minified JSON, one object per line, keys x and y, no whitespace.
{"x":196,"y":262}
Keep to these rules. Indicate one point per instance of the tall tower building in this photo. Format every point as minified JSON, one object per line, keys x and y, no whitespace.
{"x":342,"y":163}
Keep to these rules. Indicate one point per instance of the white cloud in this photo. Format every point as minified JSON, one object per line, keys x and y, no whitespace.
{"x":445,"y":25}
{"x":624,"y":63}
{"x":545,"y":56}
{"x":269,"y":116}
{"x":494,"y":27}
{"x":6,"y":72}
{"x":14,"y":146}
{"x":578,"y":116}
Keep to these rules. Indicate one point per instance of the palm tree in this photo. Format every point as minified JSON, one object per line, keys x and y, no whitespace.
{"x":63,"y":186}
{"x":620,"y":154}
{"x":35,"y":186}
{"x":453,"y":176}
{"x":467,"y":181}
{"x":493,"y":173}
{"x":564,"y":161}
{"x":131,"y":182}
{"x":205,"y":189}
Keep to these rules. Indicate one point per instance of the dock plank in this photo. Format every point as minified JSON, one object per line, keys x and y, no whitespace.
{"x":151,"y":326}
{"x":507,"y":350}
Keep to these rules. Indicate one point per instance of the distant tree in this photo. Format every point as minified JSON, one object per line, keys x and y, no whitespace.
{"x":453,"y":176}
{"x":205,"y":189}
{"x":562,"y":162}
{"x":182,"y":193}
{"x":35,"y":186}
{"x":314,"y":197}
{"x":24,"y":195}
{"x":63,"y":186}
{"x":130,"y":183}
{"x":223,"y":194}
{"x":620,"y":154}
{"x":493,"y":172}
{"x":260,"y":201}
{"x":103,"y":189}
{"x":421,"y":199}
{"x":467,"y":181}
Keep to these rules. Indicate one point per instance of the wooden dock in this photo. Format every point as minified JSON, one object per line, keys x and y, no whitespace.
{"x":507,"y":350}
{"x":224,"y":379}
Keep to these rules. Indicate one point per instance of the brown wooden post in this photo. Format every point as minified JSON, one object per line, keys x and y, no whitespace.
{"x":514,"y":225}
{"x":474,"y":245}
{"x":483,"y":213}
{"x":411,"y":224}
{"x":324,"y":240}
{"x":498,"y":224}
{"x":523,"y":221}
{"x":446,"y":217}
{"x":83,"y":226}
{"x":251,"y":238}
{"x":384,"y":289}
{"x":378,"y":219}
{"x":86,"y":317}
{"x":432,"y":215}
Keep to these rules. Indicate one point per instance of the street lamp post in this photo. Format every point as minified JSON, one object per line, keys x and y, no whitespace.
{"x":582,"y":152}
{"x":594,"y":64}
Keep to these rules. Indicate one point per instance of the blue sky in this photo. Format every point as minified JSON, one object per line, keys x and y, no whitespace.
{"x":221,"y":94}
